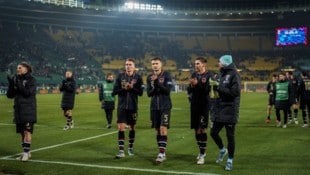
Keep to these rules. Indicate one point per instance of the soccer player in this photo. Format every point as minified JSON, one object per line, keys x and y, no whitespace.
{"x":159,"y":84}
{"x":305,"y":98}
{"x":128,"y":86}
{"x":22,"y":87}
{"x":106,"y":98}
{"x":229,"y":89}
{"x":284,"y":98}
{"x":270,"y":88}
{"x":68,"y":88}
{"x":295,"y":85}
{"x":198,"y":90}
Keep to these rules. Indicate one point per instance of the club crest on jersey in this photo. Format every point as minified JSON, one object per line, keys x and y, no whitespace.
{"x":203,"y":80}
{"x":161,"y":80}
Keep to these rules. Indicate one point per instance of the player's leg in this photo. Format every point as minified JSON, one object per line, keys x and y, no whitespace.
{"x":121,"y":125}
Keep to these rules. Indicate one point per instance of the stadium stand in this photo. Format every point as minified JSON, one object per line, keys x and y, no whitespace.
{"x":94,"y":42}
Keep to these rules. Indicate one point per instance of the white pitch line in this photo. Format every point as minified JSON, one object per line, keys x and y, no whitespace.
{"x":116,"y":167}
{"x":7,"y":124}
{"x":98,"y":166}
{"x":62,"y":144}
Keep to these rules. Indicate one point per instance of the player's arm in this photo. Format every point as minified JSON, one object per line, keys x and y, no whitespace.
{"x":165,"y":88}
{"x":150,"y":88}
{"x":291,"y":94}
{"x":11,"y":89}
{"x":100,"y":89}
{"x":118,"y":89}
{"x":138,"y":87}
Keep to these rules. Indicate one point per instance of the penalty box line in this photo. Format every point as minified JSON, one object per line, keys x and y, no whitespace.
{"x":62,"y":144}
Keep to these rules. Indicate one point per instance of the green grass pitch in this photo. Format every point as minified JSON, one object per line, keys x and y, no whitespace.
{"x":89,"y":148}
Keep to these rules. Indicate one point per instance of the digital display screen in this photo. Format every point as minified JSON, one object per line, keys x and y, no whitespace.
{"x":291,"y":36}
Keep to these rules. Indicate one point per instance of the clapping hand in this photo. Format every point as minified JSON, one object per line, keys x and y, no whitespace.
{"x":193,"y":81}
{"x":128,"y":86}
{"x":11,"y":79}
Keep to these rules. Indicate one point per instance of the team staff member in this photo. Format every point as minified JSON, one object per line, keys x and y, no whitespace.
{"x":284,"y":98}
{"x":229,"y":89}
{"x":68,"y":88}
{"x":22,"y":87}
{"x":305,"y":98}
{"x":270,"y":88}
{"x":106,"y":98}
{"x":198,"y":91}
{"x":159,"y":84}
{"x":128,"y":86}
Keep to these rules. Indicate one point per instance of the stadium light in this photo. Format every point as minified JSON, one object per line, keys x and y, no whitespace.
{"x":142,"y":7}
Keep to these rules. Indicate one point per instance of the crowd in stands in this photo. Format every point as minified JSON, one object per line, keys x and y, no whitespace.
{"x":89,"y":53}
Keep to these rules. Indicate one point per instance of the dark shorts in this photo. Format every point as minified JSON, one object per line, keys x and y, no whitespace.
{"x":304,"y":104}
{"x":160,"y":118}
{"x":271,"y":101}
{"x":127,"y":116}
{"x":21,"y":127}
{"x":66,"y":108}
{"x":199,"y":119}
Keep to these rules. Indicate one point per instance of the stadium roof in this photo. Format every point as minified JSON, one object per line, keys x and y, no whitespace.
{"x":210,"y":4}
{"x":168,"y":22}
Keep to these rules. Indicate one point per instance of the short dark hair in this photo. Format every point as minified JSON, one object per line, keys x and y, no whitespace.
{"x":282,"y":73}
{"x":156,"y":58}
{"x":108,"y":74}
{"x":290,"y":72}
{"x":201,"y":59}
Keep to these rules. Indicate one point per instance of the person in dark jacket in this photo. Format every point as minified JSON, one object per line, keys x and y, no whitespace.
{"x":270,"y":88}
{"x":22,"y":87}
{"x":284,"y":98}
{"x":229,"y":89}
{"x":295,"y":83}
{"x":106,"y":98}
{"x":159,"y":84}
{"x":128,"y":86}
{"x":68,"y":89}
{"x":198,"y":90}
{"x":305,"y":98}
